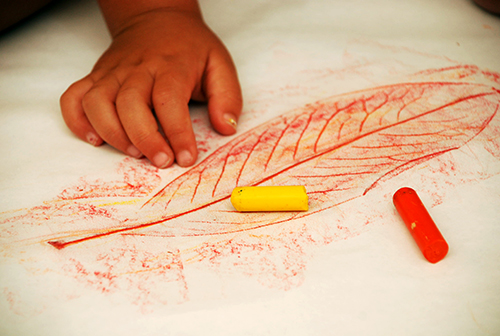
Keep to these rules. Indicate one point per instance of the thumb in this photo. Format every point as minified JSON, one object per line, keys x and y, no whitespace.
{"x":223,"y":92}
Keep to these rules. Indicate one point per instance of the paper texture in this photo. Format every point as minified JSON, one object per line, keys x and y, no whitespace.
{"x":353,"y":101}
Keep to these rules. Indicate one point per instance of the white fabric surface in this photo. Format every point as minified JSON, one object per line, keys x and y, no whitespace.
{"x":371,"y":280}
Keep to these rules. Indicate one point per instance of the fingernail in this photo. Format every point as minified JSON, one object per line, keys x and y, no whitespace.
{"x":134,"y":152}
{"x":92,"y":139}
{"x":184,"y":158}
{"x":161,"y":160}
{"x":230,"y":119}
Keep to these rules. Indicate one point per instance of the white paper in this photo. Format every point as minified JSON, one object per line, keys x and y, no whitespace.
{"x":348,"y":269}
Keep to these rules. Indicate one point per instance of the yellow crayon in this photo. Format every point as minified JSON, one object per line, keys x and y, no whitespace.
{"x":279,"y":198}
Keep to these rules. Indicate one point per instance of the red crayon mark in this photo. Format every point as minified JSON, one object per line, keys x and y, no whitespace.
{"x":387,"y":130}
{"x":421,"y":226}
{"x":140,"y":240}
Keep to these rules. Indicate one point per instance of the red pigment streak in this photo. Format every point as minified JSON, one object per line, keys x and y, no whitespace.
{"x":147,"y":267}
{"x":336,"y":175}
{"x":405,"y":166}
{"x":279,"y":140}
{"x":139,"y":178}
{"x":301,"y":135}
{"x":294,"y":163}
{"x":60,"y":245}
{"x":329,"y":120}
{"x":220,"y":175}
{"x":461,"y":72}
{"x":260,"y":226}
{"x":244,"y":162}
{"x":195,"y":187}
{"x":134,"y":273}
{"x":391,"y":146}
{"x":404,"y":95}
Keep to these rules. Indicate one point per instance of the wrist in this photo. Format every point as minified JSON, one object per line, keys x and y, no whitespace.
{"x":120,"y":14}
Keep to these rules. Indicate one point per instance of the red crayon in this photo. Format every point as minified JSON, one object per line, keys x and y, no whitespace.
{"x":421,"y":226}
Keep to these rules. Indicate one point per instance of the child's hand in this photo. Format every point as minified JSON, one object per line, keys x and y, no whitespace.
{"x":158,"y":61}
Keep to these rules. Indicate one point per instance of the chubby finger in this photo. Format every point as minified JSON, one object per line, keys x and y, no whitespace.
{"x":74,"y":115}
{"x":171,"y":94}
{"x":223,"y":92}
{"x":134,"y":109}
{"x":99,"y":107}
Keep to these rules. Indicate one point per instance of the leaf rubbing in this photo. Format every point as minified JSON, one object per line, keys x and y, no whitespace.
{"x":337,"y":148}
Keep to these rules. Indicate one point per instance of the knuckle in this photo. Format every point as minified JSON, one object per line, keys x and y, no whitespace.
{"x":91,"y":97}
{"x":150,"y":58}
{"x":68,"y":95}
{"x":64,"y":100}
{"x":176,"y":89}
{"x":178,"y":131}
{"x":169,"y":95}
{"x":235,"y":101}
{"x":143,"y":135}
{"x":126,"y":95}
{"x":160,"y":97}
{"x":114,"y":136}
{"x":143,"y":139}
